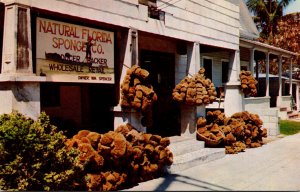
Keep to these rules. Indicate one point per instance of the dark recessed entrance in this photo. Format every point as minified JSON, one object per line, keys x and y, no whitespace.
{"x":74,"y":107}
{"x":165,"y":112}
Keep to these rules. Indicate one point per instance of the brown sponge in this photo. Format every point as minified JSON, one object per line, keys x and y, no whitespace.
{"x":201,"y":122}
{"x":94,"y":138}
{"x":119,"y":144}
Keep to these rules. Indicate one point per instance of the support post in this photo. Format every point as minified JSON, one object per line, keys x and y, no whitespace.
{"x":257,"y":74}
{"x":134,"y":47}
{"x":17,"y":52}
{"x":130,"y":38}
{"x":20,"y":87}
{"x":189,"y":113}
{"x":233,"y":97}
{"x":297,"y":97}
{"x":267,"y":74}
{"x":188,"y":121}
{"x":252,"y":50}
{"x":291,"y":76}
{"x":193,"y":58}
{"x":279,"y":98}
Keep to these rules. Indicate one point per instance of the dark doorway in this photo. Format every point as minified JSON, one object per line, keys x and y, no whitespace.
{"x":294,"y":99}
{"x":207,"y":64}
{"x":225,"y":69}
{"x":165,"y":112}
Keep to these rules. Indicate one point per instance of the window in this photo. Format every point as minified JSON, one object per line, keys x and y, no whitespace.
{"x":225,"y":67}
{"x":50,"y":95}
{"x":207,"y":64}
{"x":153,"y":11}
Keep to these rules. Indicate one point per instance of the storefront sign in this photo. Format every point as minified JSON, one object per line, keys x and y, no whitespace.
{"x":72,"y":53}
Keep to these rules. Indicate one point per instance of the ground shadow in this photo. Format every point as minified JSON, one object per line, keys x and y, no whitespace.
{"x":203,"y":185}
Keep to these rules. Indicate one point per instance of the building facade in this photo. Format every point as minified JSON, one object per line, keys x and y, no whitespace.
{"x":69,"y":57}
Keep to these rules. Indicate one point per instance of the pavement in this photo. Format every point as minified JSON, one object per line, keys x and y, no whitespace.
{"x":273,"y":167}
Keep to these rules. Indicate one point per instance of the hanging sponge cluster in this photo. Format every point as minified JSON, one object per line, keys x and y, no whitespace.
{"x":136,"y":92}
{"x":248,"y":83}
{"x":196,"y":90}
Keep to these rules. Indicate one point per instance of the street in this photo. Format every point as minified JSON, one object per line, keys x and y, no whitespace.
{"x":274,"y":166}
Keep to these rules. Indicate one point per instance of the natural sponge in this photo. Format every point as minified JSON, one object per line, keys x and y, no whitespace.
{"x":120,"y":158}
{"x":248,"y":83}
{"x":196,"y":90}
{"x":136,"y":92}
{"x":241,"y":130}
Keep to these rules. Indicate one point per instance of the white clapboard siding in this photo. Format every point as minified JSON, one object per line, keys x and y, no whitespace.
{"x":215,"y":12}
{"x":209,"y":22}
{"x":221,"y":23}
{"x":108,"y":11}
{"x":201,"y":30}
{"x":216,"y":20}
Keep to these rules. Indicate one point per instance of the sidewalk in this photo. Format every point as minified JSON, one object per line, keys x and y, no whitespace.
{"x":274,"y":166}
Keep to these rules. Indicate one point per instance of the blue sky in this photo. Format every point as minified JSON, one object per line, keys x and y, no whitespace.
{"x":293,"y":7}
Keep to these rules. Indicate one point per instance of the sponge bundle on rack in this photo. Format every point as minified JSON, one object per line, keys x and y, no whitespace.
{"x":248,"y":83}
{"x":195,"y":90}
{"x":136,"y":93}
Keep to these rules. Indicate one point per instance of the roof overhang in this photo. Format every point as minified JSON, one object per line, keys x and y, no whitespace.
{"x":247,"y":26}
{"x":251,"y":44}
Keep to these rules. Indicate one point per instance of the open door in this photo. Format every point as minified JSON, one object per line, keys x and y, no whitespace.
{"x":165,"y":112}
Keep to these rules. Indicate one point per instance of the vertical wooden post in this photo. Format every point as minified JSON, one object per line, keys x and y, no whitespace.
{"x":252,"y":50}
{"x":291,"y":76}
{"x":297,"y":96}
{"x":17,"y":52}
{"x":279,"y":99}
{"x":189,"y":113}
{"x":193,"y":63}
{"x":134,"y":47}
{"x":20,"y":87}
{"x":234,"y":101}
{"x":267,"y":74}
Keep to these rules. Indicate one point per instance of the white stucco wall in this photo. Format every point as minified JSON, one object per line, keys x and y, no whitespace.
{"x":286,"y":102}
{"x":269,"y":116}
{"x":21,"y":97}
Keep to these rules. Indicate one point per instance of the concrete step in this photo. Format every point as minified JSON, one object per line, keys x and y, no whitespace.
{"x":191,"y":159}
{"x":283,"y":109}
{"x":182,"y":145}
{"x":189,"y":152}
{"x":283,"y":114}
{"x":293,"y":114}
